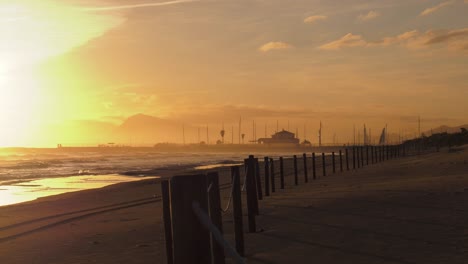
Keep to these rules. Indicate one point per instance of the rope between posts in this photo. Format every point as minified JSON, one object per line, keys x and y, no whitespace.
{"x":245,"y":177}
{"x":206,"y":222}
{"x":230,"y":196}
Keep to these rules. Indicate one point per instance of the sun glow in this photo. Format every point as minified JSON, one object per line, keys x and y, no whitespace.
{"x":31,"y":32}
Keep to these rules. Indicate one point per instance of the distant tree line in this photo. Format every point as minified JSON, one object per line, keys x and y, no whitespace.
{"x":440,"y":140}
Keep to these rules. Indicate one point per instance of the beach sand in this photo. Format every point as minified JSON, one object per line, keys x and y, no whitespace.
{"x":408,"y":210}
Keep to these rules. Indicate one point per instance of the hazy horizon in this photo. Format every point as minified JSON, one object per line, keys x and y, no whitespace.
{"x":71,"y":69}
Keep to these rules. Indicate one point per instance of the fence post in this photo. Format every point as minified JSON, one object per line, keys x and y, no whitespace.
{"x":272,"y":175}
{"x":281,"y":173}
{"x":166,"y":203}
{"x":252,"y":203}
{"x":367,"y":155}
{"x":341,"y":161}
{"x":296,"y":180}
{"x":333,"y":162}
{"x":191,"y":240}
{"x":214,"y":204}
{"x":324,"y":165}
{"x":354,"y":158}
{"x":306,"y":176}
{"x":362,"y":156}
{"x":266,"y":162}
{"x":358,"y":157}
{"x":347,"y":159}
{"x":237,"y":210}
{"x":314,"y":170}
{"x":258,"y":180}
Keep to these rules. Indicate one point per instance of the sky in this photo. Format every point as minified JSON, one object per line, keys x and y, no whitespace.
{"x":66,"y":64}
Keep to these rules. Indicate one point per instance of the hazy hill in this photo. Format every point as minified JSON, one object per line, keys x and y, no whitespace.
{"x":443,"y":129}
{"x":145,"y":129}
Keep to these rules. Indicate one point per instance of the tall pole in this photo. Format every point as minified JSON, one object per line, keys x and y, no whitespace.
{"x":183,"y":134}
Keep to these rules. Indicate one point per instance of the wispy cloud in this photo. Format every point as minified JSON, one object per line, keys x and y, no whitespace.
{"x":436,"y":8}
{"x":141,"y":5}
{"x":369,"y":16}
{"x":313,"y":19}
{"x":348,"y":40}
{"x":456,"y":39}
{"x":278,"y":45}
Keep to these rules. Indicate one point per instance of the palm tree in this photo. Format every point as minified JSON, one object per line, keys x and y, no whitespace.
{"x":222,"y":135}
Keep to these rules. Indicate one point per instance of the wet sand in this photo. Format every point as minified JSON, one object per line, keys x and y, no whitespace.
{"x":410,"y":210}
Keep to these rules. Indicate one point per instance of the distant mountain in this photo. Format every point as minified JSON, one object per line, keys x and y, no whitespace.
{"x":443,"y":129}
{"x":145,"y":129}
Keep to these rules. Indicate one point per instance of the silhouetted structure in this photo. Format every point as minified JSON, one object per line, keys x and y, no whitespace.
{"x":282,"y":137}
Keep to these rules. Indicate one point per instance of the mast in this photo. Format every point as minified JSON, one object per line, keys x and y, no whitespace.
{"x":320,"y":134}
{"x":183,"y":134}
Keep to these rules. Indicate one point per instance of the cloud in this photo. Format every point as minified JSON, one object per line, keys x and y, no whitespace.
{"x":348,"y":40}
{"x":434,"y":9}
{"x":456,"y":39}
{"x":141,"y":5}
{"x":274,"y":46}
{"x":369,"y":16}
{"x":313,"y":19}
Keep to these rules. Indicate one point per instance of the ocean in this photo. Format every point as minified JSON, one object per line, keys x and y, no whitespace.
{"x":27,"y":174}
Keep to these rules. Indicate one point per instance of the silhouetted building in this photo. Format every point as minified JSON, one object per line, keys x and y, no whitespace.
{"x":282,"y":137}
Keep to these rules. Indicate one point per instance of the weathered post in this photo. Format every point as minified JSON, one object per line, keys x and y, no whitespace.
{"x":214,"y":205}
{"x":166,"y":204}
{"x":266,"y":162}
{"x":354,"y":158}
{"x":252,"y":202}
{"x":296,"y":179}
{"x":341,"y":161}
{"x":362,"y":156}
{"x":367,"y":155}
{"x":237,"y":210}
{"x":387,"y":151}
{"x":258,"y":180}
{"x":324,"y":165}
{"x":333,"y":162}
{"x":191,"y":241}
{"x":306,"y":176}
{"x":314,"y":170}
{"x":372,"y":154}
{"x":347,"y":159}
{"x":358,"y":157}
{"x":281,"y":173}
{"x":272,"y":175}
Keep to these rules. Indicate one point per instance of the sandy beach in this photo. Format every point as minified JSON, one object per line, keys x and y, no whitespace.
{"x":409,"y":210}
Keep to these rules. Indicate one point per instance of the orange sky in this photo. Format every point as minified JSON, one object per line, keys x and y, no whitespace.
{"x":69,"y":62}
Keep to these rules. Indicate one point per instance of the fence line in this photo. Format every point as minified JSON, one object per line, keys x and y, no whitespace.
{"x":193,"y":216}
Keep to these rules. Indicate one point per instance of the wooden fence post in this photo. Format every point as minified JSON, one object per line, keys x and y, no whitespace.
{"x":258,"y":180}
{"x":191,"y":240}
{"x":367,"y":155}
{"x":296,"y":179}
{"x":214,"y":205}
{"x":166,"y":204}
{"x":324,"y":165}
{"x":362,"y":156}
{"x":237,"y":210}
{"x":252,"y":202}
{"x":333,"y":162}
{"x":358,"y":157}
{"x":266,"y":162}
{"x":347,"y":159}
{"x":281,"y":173}
{"x":341,"y":161}
{"x":314,"y":167}
{"x":272,"y":175}
{"x":306,"y":176}
{"x":354,"y":158}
